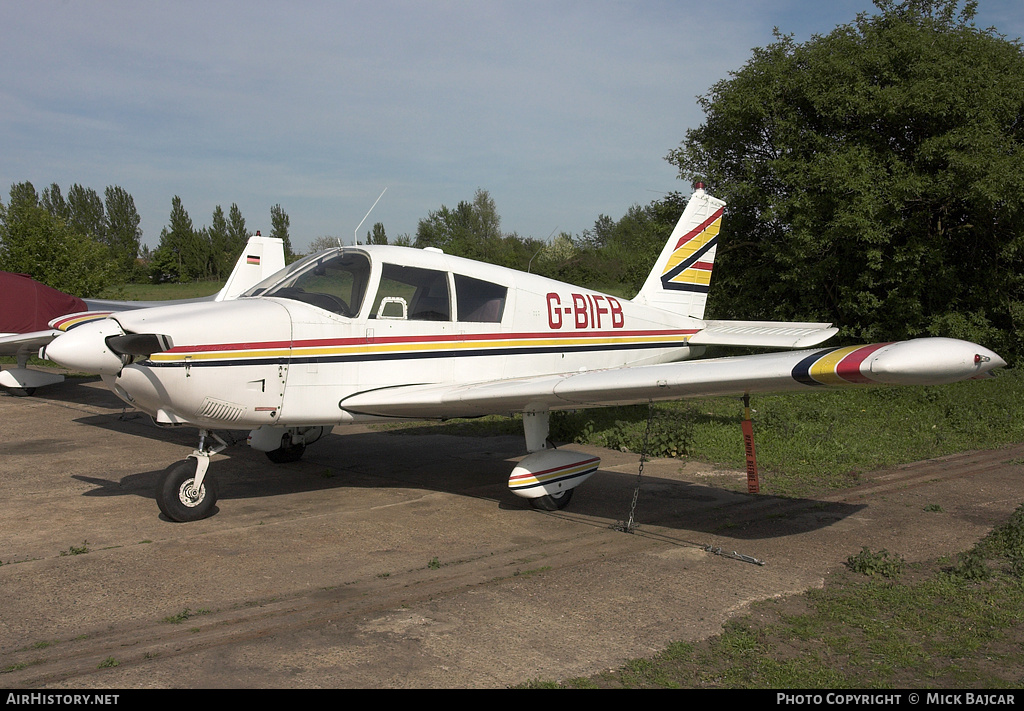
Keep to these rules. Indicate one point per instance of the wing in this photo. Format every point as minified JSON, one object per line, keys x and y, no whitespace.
{"x":22,"y":345}
{"x":927,"y":361}
{"x":25,"y":344}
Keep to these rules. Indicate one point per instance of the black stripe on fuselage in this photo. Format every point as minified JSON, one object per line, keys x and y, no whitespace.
{"x":412,"y":355}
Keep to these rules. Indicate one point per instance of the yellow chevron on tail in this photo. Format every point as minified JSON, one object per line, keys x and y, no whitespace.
{"x":681,"y":277}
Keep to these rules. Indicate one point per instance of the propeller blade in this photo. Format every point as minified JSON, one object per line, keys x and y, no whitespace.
{"x":139,"y":344}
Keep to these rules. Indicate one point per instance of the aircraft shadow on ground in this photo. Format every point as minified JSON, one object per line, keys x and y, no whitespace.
{"x":472,"y":466}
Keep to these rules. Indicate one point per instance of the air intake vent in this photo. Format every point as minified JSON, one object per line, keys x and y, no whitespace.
{"x":220,"y":410}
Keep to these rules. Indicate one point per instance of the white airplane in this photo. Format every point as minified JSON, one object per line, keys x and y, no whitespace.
{"x":363,"y":333}
{"x":20,"y":295}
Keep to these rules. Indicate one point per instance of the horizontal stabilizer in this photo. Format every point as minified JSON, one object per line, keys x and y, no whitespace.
{"x":766,"y":334}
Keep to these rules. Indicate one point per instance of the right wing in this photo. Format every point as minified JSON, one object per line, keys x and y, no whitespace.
{"x":926,"y":361}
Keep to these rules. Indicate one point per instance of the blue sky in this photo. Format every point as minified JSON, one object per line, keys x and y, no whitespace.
{"x":563,"y":111}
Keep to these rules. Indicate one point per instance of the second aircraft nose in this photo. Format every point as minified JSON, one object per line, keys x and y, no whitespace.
{"x":85,"y":348}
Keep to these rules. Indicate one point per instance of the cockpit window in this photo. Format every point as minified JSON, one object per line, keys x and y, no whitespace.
{"x":334,"y":281}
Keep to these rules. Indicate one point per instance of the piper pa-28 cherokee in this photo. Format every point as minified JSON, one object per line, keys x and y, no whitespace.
{"x":360,"y":333}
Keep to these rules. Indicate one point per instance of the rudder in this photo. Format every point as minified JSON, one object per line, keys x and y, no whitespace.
{"x":681,"y":277}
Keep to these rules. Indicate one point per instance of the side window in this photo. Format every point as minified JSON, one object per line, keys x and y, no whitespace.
{"x":412,"y":293}
{"x":479,"y":301}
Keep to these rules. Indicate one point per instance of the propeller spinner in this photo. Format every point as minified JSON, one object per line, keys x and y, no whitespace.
{"x":102,"y":347}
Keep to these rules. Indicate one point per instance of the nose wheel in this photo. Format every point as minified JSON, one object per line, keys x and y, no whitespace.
{"x":185,"y":492}
{"x":182,"y":496}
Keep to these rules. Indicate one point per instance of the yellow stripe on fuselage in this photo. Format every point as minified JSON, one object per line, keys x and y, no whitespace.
{"x":411,"y":347}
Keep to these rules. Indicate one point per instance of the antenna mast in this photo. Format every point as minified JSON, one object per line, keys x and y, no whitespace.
{"x":355,"y":235}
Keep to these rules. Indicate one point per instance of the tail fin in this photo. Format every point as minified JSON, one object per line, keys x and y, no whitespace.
{"x":680,"y":279}
{"x":261,"y":257}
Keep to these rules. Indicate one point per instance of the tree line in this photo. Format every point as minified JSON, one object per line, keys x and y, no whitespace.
{"x":87,"y":246}
{"x":873,"y":178}
{"x":187,"y":254}
{"x":80,"y":244}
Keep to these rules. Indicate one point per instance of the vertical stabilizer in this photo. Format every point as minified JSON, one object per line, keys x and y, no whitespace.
{"x":261,"y":257}
{"x":680,"y":279}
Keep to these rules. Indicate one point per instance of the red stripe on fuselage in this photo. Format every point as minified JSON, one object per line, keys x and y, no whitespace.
{"x":451,"y":338}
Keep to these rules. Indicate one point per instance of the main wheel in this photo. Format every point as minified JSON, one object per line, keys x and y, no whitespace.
{"x":552,"y":502}
{"x":176,"y":494}
{"x":287,"y":452}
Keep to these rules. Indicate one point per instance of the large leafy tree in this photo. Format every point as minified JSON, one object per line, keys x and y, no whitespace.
{"x":36,"y":242}
{"x":874,"y":177}
{"x":113,"y":222}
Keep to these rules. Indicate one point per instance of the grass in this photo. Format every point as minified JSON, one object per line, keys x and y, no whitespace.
{"x":943,"y":625}
{"x":166,"y":292}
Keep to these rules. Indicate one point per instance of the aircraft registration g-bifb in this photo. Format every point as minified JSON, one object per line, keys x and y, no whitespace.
{"x":365,"y":333}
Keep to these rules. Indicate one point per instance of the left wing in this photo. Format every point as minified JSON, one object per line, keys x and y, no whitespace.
{"x":18,"y":344}
{"x":21,"y":346}
{"x":926,"y":361}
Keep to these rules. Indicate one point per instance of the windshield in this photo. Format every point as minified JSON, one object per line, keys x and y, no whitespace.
{"x":334,"y":280}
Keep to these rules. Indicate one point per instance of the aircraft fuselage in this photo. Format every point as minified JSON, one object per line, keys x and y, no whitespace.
{"x":384,"y":317}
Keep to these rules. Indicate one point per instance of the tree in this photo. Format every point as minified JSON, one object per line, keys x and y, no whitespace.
{"x":238,"y":235}
{"x":221,"y":258}
{"x":472,"y":229}
{"x":379,"y":236}
{"x":279,"y":222}
{"x":614,"y":254}
{"x":52,"y":200}
{"x":183,"y":254}
{"x":873,"y":178}
{"x":323,"y":242}
{"x":35,"y":242}
{"x":85,"y":212}
{"x":121,"y":230}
